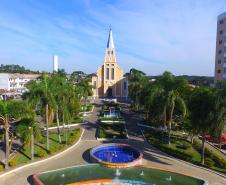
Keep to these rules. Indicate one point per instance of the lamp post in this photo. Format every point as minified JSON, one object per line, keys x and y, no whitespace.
{"x":32,"y":143}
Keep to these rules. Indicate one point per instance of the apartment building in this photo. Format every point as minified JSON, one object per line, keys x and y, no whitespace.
{"x":220,"y":57}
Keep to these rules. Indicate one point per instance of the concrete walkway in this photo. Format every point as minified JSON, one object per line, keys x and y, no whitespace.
{"x":80,"y":154}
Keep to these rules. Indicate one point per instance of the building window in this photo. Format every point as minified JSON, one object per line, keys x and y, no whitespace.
{"x":107,"y":73}
{"x":218,"y":71}
{"x":225,"y":60}
{"x":224,"y":70}
{"x":112,"y":73}
{"x":219,"y":61}
{"x":107,"y":64}
{"x":108,"y":52}
{"x":221,"y":21}
{"x":220,"y":41}
{"x":221,"y":31}
{"x":219,"y":52}
{"x":112,"y":65}
{"x":94,"y":84}
{"x":112,"y":52}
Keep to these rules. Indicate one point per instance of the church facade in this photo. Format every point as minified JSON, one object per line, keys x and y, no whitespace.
{"x":109,"y":81}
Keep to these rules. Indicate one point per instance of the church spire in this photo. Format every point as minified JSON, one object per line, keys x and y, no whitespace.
{"x":110,"y":43}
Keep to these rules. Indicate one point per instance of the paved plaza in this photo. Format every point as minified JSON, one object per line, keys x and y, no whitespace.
{"x":79,"y":155}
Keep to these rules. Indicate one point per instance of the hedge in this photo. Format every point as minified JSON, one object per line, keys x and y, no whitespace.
{"x":110,"y":119}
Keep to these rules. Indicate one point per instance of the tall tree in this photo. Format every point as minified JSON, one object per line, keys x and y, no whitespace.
{"x":85,"y":90}
{"x":171,"y":98}
{"x":201,"y":113}
{"x":40,"y":94}
{"x":29,"y":131}
{"x":10,"y":111}
{"x":59,"y":89}
{"x":137,"y":81}
{"x":219,"y":111}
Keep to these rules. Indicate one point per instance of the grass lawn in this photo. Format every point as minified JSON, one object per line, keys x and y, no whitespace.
{"x":77,"y":119}
{"x":110,"y":131}
{"x":184,"y":150}
{"x":24,"y":156}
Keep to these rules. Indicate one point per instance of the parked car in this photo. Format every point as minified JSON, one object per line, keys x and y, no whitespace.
{"x":215,"y":139}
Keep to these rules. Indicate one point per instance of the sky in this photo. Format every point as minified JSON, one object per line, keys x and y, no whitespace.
{"x":150,"y":35}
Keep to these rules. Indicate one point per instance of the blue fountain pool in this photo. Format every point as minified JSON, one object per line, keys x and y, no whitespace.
{"x":116,"y":153}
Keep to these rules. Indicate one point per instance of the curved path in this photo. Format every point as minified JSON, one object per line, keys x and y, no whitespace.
{"x":79,"y":155}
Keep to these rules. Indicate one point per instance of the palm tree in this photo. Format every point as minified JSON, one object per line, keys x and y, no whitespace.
{"x":137,"y":81}
{"x":171,"y":98}
{"x":10,"y":111}
{"x":219,"y":111}
{"x":201,"y":107}
{"x":59,"y":89}
{"x":85,"y":89}
{"x":29,"y":131}
{"x":40,"y":94}
{"x":150,"y":93}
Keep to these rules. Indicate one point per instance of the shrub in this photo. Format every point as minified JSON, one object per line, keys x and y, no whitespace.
{"x":111,"y":119}
{"x":176,"y":153}
{"x":183,"y":146}
{"x":101,"y":133}
{"x":219,"y":161}
{"x":77,"y":119}
{"x":209,"y":162}
{"x":12,"y":163}
{"x":89,"y":107}
{"x":42,"y":140}
{"x":41,"y":153}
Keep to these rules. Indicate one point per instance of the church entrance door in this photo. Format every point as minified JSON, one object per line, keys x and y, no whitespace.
{"x":109,"y":92}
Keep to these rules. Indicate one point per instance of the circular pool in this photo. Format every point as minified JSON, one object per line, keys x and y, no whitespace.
{"x":95,"y":174}
{"x":116,"y":155}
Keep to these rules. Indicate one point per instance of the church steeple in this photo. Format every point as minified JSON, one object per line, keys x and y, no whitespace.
{"x":110,"y":43}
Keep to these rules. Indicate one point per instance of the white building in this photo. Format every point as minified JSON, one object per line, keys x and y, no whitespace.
{"x":15,"y":82}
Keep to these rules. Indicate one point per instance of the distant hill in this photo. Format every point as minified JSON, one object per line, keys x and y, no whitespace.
{"x":199,"y":80}
{"x":15,"y":69}
{"x":195,"y":80}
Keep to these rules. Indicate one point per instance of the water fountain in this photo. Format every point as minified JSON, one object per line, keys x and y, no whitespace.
{"x":117,"y":173}
{"x":116,"y":155}
{"x":169,"y":178}
{"x":111,"y":113}
{"x":96,"y":174}
{"x":63,"y":175}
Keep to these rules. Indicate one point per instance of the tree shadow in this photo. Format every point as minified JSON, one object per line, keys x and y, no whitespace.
{"x":52,"y":139}
{"x":21,"y":152}
{"x":40,"y":146}
{"x":86,"y":155}
{"x":30,"y":180}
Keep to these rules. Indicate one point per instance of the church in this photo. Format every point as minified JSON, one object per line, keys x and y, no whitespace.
{"x":109,"y":81}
